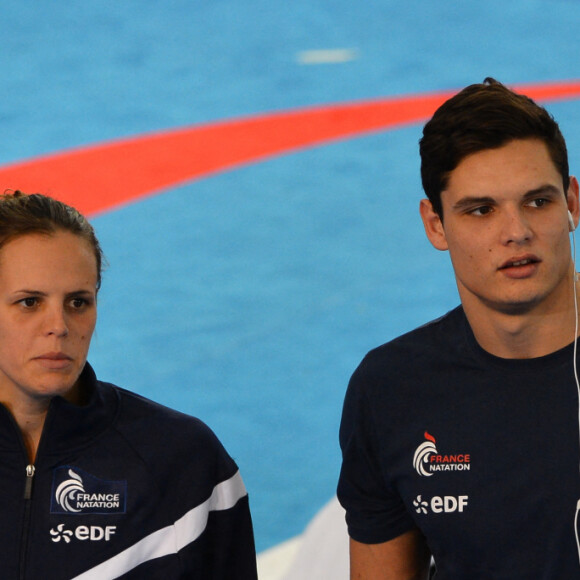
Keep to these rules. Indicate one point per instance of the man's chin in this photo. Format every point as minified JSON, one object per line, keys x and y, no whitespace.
{"x":515,"y":307}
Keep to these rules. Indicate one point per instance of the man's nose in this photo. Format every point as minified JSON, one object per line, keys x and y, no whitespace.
{"x":515,"y":227}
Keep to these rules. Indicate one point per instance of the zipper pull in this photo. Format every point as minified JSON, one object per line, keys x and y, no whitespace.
{"x":28,"y":485}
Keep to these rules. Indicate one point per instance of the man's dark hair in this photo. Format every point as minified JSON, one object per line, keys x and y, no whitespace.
{"x":483,"y":116}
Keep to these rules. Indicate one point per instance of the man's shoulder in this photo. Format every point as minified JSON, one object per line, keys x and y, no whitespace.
{"x":432,"y":338}
{"x":398,"y":371}
{"x":414,"y":353}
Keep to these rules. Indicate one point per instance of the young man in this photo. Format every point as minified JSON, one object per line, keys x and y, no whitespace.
{"x":460,"y":439}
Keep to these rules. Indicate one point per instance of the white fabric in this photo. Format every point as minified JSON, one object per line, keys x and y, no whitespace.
{"x":323,"y":551}
{"x":173,"y":538}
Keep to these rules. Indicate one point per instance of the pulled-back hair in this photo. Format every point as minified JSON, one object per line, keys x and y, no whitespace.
{"x":22,"y":214}
{"x":483,"y":116}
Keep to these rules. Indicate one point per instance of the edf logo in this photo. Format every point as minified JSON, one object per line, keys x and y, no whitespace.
{"x":92,"y":533}
{"x":447,"y":504}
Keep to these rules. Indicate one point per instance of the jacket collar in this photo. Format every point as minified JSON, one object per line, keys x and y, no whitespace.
{"x":68,"y":426}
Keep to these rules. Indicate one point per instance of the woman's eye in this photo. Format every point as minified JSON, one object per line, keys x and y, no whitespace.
{"x":81,"y":303}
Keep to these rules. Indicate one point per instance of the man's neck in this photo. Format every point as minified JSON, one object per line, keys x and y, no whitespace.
{"x":526,"y":334}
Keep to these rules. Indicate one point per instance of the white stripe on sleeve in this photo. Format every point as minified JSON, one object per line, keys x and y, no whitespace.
{"x":173,"y":538}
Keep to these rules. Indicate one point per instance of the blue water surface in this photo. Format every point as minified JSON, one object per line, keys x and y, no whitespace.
{"x":248,"y":298}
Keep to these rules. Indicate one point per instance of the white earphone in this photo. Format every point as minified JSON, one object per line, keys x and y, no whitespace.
{"x":571,"y":228}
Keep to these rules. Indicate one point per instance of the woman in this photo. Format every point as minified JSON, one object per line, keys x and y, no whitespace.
{"x":97,"y":482}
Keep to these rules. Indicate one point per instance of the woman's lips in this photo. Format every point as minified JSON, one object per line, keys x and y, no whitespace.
{"x":54,"y":360}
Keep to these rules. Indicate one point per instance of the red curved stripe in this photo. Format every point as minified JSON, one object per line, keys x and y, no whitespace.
{"x":105,"y":175}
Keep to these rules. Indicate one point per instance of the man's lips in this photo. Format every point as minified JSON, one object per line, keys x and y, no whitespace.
{"x":519,"y":262}
{"x":520,"y":267}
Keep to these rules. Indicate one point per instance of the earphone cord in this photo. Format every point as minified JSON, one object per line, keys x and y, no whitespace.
{"x":575,"y":365}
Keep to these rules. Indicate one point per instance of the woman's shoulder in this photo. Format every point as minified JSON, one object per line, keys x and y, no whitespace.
{"x":155,"y":430}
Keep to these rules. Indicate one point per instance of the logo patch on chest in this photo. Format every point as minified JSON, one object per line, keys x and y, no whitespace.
{"x":427,"y":460}
{"x":75,"y":491}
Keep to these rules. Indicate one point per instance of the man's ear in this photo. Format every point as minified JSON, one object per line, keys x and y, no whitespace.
{"x":433,"y":225}
{"x":572,"y":199}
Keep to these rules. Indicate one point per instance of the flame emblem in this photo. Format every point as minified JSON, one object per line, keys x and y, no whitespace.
{"x":67,"y":491}
{"x":422,"y":454}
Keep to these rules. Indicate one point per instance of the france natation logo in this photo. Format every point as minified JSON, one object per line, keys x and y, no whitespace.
{"x":78,"y":492}
{"x":427,"y":460}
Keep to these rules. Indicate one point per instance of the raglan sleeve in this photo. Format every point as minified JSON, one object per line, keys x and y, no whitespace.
{"x":225,"y":549}
{"x":375,"y":512}
{"x":231,"y":547}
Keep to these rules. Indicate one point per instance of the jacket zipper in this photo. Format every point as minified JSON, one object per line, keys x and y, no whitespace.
{"x":30,"y":469}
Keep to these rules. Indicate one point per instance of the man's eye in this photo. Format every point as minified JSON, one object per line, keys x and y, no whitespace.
{"x":29,"y":302}
{"x":483,"y":210}
{"x":77,"y":303}
{"x":540,"y":202}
